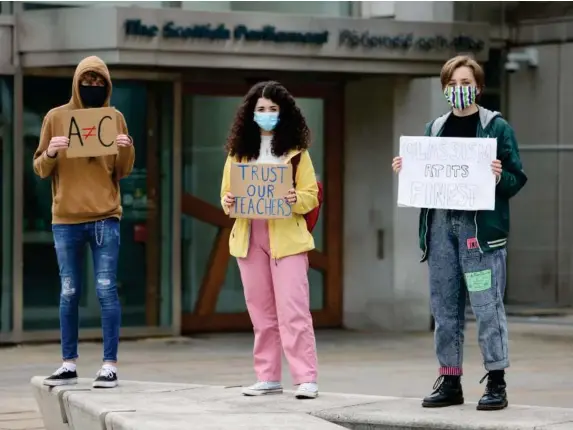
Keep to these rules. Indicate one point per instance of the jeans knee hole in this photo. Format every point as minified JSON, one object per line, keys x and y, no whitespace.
{"x":67,"y":287}
{"x":104,"y":282}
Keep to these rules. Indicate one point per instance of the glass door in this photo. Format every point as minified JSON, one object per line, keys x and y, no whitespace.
{"x":212,"y":291}
{"x":6,"y":172}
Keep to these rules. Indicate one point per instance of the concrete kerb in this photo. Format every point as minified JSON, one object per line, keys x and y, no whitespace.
{"x":157,"y":406}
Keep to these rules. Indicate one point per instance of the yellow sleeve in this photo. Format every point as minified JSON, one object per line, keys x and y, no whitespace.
{"x":226,"y":182}
{"x":306,"y":186}
{"x":44,"y":165}
{"x":126,"y":156}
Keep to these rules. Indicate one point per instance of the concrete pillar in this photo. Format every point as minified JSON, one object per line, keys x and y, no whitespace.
{"x":385,"y":286}
{"x":368,"y":195}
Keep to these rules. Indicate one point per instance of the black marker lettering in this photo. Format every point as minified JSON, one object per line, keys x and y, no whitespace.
{"x":107,"y":145}
{"x":77,"y":133}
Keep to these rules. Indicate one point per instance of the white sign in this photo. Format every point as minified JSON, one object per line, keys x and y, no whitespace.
{"x":447,"y":173}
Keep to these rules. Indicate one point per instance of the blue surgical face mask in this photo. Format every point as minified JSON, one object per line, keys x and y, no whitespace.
{"x":267,"y":120}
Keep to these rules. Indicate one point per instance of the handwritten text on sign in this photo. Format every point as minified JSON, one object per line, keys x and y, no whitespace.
{"x":447,"y":173}
{"x":260,"y":190}
{"x":92,"y":132}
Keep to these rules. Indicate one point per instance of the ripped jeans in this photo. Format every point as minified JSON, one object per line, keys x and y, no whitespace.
{"x":455,"y":265}
{"x":70,"y":241}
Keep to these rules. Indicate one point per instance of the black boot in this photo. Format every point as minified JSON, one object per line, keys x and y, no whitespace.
{"x":447,"y":392}
{"x":495,"y":396}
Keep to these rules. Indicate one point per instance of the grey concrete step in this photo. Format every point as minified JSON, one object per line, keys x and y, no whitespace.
{"x":155,"y":406}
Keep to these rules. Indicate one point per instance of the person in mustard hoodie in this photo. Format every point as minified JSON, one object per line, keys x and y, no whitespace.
{"x":86,"y":208}
{"x":272,"y":255}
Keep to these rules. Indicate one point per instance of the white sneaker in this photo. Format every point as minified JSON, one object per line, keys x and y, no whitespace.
{"x":263,"y":387}
{"x":106,"y":378}
{"x":65,"y":375}
{"x":308,"y":390}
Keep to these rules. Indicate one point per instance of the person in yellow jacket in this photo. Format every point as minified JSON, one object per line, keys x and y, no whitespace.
{"x":272,"y":254}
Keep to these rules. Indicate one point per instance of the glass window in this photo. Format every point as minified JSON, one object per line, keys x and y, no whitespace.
{"x":206,"y":125}
{"x":40,"y":273}
{"x":39,"y":5}
{"x":6,"y":141}
{"x":313,"y":111}
{"x":165,"y":199}
{"x":491,"y":101}
{"x":145,"y":292}
{"x":308,"y":8}
{"x":493,"y":69}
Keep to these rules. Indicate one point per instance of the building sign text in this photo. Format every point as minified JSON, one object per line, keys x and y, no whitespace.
{"x":268,"y":33}
{"x":354,"y":39}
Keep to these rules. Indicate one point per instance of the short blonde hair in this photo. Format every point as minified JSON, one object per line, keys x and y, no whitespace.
{"x":462,"y":61}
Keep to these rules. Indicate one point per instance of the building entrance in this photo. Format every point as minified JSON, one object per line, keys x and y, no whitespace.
{"x":212,"y":293}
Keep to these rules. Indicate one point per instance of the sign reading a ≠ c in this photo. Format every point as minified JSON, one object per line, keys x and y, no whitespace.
{"x":92,"y":132}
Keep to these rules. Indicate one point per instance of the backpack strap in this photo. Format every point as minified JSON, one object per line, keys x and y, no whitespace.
{"x":294,"y":161}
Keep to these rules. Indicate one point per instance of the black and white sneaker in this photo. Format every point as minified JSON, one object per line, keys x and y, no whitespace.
{"x":63,"y":376}
{"x":106,"y":378}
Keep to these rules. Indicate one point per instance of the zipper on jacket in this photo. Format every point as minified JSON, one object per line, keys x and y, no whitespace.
{"x":248,"y":236}
{"x":425,"y":235}
{"x":271,"y":236}
{"x":476,"y":224}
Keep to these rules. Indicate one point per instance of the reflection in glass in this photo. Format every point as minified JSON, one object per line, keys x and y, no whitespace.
{"x":40,"y":273}
{"x":206,"y":124}
{"x":6,"y":144}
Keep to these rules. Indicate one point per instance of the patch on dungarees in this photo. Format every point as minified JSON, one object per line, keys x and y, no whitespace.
{"x":472,"y":243}
{"x":478,"y":281}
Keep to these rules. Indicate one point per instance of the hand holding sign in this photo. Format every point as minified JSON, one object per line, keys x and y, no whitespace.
{"x":291,"y":196}
{"x":496,"y":168}
{"x":57,"y":144}
{"x":123,"y":140}
{"x":397,"y":164}
{"x":229,"y":200}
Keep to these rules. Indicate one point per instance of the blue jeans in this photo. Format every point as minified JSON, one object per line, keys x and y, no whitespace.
{"x":456,"y":264}
{"x":70,"y":243}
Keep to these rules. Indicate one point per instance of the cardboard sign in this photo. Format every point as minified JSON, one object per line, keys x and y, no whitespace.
{"x":260,"y":190}
{"x":447,"y":173}
{"x":92,"y":132}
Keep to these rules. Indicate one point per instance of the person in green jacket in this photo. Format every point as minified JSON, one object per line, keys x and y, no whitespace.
{"x":467,"y":249}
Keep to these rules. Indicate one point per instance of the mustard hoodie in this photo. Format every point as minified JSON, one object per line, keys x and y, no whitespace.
{"x":288,"y":236}
{"x":83,"y":189}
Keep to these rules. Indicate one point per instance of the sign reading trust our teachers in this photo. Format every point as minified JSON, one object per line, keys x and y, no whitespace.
{"x":260,"y":190}
{"x":447,"y":173}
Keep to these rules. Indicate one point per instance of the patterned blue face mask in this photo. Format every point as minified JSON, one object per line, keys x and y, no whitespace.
{"x":460,"y":97}
{"x":267,"y":120}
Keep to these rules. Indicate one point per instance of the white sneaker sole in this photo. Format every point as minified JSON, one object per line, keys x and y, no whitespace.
{"x":306,"y":395}
{"x":60,"y":382}
{"x":104,"y":384}
{"x":250,"y":392}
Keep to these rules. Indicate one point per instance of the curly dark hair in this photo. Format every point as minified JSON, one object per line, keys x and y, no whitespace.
{"x":291,"y":131}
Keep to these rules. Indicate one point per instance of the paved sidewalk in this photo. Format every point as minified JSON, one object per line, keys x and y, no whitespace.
{"x":161,"y":406}
{"x":401,"y":365}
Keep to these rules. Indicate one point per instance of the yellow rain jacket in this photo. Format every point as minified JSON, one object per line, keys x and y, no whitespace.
{"x":288,"y":236}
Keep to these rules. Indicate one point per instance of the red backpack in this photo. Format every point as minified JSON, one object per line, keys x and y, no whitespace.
{"x":311,"y":218}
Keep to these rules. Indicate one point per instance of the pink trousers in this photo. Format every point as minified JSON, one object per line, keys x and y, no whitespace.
{"x":277,"y":296}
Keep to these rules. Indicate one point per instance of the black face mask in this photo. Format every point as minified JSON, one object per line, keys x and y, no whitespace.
{"x":93,"y":97}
